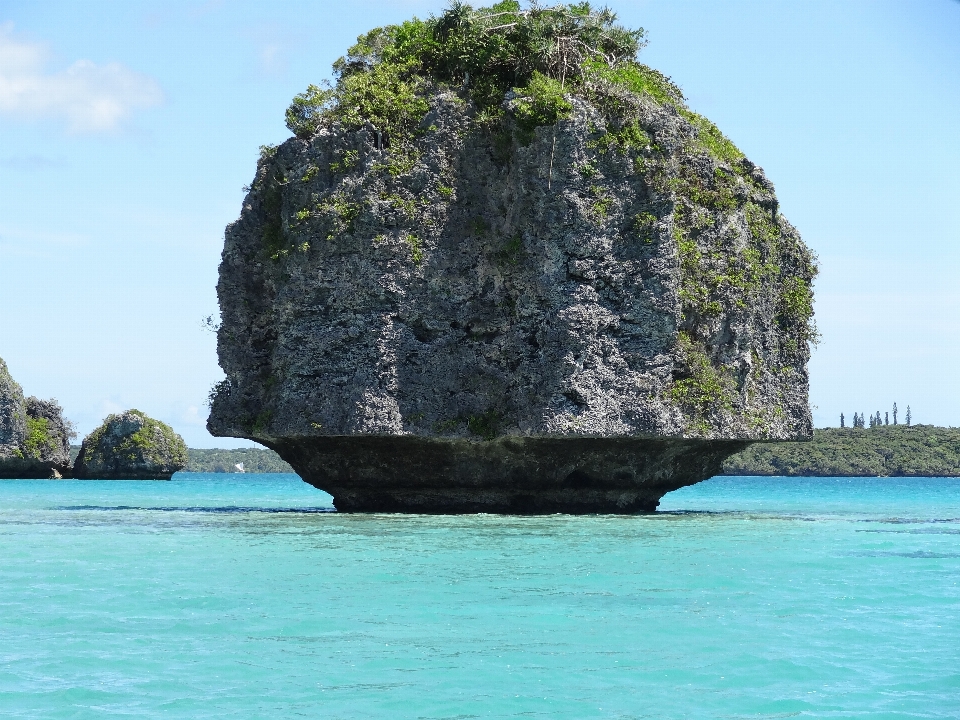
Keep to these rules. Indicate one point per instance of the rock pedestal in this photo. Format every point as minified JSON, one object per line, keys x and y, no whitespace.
{"x":519,"y":475}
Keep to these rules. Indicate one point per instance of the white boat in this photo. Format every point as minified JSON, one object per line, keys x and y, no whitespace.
{"x":239,"y":467}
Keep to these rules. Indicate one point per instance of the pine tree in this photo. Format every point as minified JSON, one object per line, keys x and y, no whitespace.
{"x":886,"y":418}
{"x":908,"y":416}
{"x":894,"y":413}
{"x":879,"y":421}
{"x":841,"y":419}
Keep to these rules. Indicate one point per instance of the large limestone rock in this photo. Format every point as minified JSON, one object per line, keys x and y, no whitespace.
{"x":131,"y":446}
{"x":34,"y":436}
{"x":484,"y":312}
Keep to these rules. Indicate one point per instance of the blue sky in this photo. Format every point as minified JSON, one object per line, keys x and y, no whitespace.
{"x":127,"y":130}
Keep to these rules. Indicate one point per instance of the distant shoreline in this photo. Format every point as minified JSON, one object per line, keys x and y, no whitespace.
{"x":883,"y":451}
{"x":887,"y":451}
{"x":220,"y":460}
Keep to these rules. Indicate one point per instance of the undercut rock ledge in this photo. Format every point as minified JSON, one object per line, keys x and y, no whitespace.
{"x":516,"y":475}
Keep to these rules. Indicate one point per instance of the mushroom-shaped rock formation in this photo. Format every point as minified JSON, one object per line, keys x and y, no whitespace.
{"x":34,"y":436}
{"x":131,"y":446}
{"x":503,"y":267}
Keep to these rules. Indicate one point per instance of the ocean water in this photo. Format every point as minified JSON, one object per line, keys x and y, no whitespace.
{"x":228,"y":596}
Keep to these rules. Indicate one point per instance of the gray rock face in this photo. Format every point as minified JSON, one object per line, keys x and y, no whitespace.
{"x":13,"y":415}
{"x":34,"y":436}
{"x":504,"y":321}
{"x":131,"y":446}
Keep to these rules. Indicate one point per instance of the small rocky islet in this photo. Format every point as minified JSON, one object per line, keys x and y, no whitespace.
{"x":502,"y":266}
{"x":34,"y":436}
{"x":35,"y":442}
{"x":131,"y":446}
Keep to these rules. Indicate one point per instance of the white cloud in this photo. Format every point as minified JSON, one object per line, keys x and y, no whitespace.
{"x":192,"y":416}
{"x":272,"y":59}
{"x":109,"y":407}
{"x":88,"y":97}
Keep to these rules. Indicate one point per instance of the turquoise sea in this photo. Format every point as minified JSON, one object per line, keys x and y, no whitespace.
{"x":231,"y":596}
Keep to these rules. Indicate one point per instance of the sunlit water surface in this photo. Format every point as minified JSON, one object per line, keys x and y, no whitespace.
{"x":230,"y":596}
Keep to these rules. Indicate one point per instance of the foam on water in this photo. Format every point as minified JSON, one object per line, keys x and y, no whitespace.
{"x":217,"y":596}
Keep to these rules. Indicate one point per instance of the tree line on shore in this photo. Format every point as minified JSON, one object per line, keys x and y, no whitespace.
{"x":219,"y":460}
{"x":888,"y":450}
{"x":876,"y":420}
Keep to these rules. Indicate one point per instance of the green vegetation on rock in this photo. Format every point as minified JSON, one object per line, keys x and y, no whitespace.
{"x":38,"y":438}
{"x":546,"y":55}
{"x":701,"y":389}
{"x":890,"y":450}
{"x":146,"y":443}
{"x":486,"y":51}
{"x":541,"y":103}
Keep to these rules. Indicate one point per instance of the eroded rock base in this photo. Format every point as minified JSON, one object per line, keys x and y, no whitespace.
{"x":513,"y":475}
{"x":31,"y":469}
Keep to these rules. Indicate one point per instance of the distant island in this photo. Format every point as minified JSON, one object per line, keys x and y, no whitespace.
{"x":882,"y":450}
{"x":218,"y":460}
{"x":918,"y":450}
